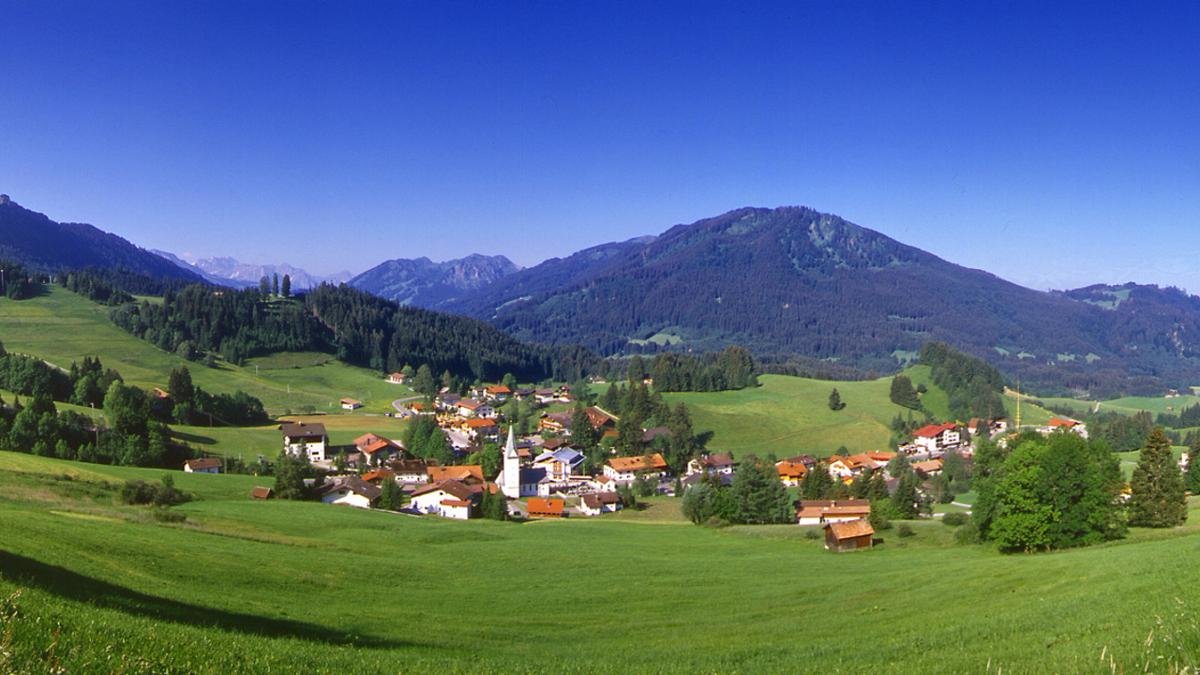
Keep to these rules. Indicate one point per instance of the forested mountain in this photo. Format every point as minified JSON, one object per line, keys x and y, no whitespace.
{"x":226,"y":271}
{"x":794,"y":281}
{"x":32,"y":239}
{"x":424,"y":283}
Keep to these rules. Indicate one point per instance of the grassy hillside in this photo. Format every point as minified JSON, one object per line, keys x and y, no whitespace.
{"x":250,"y":442}
{"x":245,"y":585}
{"x":62,"y":327}
{"x":1127,"y":405}
{"x":788,"y":415}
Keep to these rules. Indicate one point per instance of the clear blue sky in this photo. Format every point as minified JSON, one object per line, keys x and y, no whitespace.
{"x":1055,"y":144}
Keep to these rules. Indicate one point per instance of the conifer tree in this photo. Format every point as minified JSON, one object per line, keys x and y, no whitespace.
{"x":1158,"y":498}
{"x":835,"y":400}
{"x":1192,"y":480}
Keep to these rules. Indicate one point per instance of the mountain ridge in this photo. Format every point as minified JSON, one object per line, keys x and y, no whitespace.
{"x":424,"y":283}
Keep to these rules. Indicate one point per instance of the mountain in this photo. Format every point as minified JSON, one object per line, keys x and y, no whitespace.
{"x":424,"y":283}
{"x":228,"y":271}
{"x":793,"y":281}
{"x":34,"y":240}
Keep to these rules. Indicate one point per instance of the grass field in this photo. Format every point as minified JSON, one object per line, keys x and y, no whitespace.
{"x":62,"y":327}
{"x":789,"y":415}
{"x":1127,"y":405}
{"x":250,"y":442}
{"x":256,"y":586}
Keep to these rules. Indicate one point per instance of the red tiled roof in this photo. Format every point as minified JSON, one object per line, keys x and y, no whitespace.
{"x":933,"y":430}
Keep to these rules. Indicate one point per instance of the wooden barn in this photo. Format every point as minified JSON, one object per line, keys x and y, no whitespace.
{"x":848,"y":536}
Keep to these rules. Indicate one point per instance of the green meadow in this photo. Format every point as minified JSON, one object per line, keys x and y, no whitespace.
{"x":282,"y":586}
{"x":790,"y":415}
{"x":62,"y":327}
{"x":1128,"y":405}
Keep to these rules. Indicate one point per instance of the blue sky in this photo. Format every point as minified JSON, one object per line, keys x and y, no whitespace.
{"x":1054,"y":144}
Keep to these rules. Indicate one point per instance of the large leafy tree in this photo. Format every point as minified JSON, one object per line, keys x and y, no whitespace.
{"x":1158,"y":498}
{"x":1022,"y":521}
{"x":759,"y":495}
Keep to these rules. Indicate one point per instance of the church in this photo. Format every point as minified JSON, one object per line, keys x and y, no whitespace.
{"x":514,"y":480}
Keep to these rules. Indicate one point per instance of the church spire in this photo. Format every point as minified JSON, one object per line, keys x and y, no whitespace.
{"x":510,"y":448}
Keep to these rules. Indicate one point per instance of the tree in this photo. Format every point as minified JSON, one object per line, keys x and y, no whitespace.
{"x":494,"y":506}
{"x":759,"y":495}
{"x":179,"y":385}
{"x":903,"y":393}
{"x":583,"y":434}
{"x":907,"y":497}
{"x":1158,"y":498}
{"x":1193,"y":468}
{"x":275,"y":283}
{"x":835,"y":400}
{"x":290,"y":473}
{"x":390,"y":496}
{"x":264,"y":285}
{"x":285,"y":287}
{"x":423,"y":382}
{"x":817,"y":483}
{"x":127,"y":409}
{"x":1022,"y":521}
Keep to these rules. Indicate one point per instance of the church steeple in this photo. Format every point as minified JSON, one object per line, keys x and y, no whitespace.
{"x":511,"y":483}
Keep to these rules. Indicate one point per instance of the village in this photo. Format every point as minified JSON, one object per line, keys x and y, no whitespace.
{"x":542,"y":475}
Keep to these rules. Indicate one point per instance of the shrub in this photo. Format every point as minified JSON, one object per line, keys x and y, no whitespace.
{"x":955,"y":519}
{"x":140,"y":492}
{"x":716,"y":522}
{"x":905,"y":530}
{"x":968,"y":533}
{"x":810,"y":533}
{"x":165,"y":515}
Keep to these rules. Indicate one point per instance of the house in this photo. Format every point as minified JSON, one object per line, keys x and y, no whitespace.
{"x":379,"y":476}
{"x":447,"y":498}
{"x":350,"y":491}
{"x":601,"y":419}
{"x":496,"y":392}
{"x":397,"y":378}
{"x":558,"y":423}
{"x":791,"y":473}
{"x":928,"y":468}
{"x":602,"y":484}
{"x":820,"y":511}
{"x":849,"y":536}
{"x":377,"y":449}
{"x":714,"y":464}
{"x":935,"y":439}
{"x":628,"y":469}
{"x":480,"y":427}
{"x":1064,"y":424}
{"x":304,"y":440}
{"x":410,"y":470}
{"x":351,"y":404}
{"x":595,"y":503}
{"x":559,"y":464}
{"x":539,"y":507}
{"x":846,"y":468}
{"x":469,"y":407}
{"x":465,"y":473}
{"x":205,"y":465}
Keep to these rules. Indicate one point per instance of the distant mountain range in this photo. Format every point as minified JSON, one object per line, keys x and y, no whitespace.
{"x":36,"y":241}
{"x":424,"y":283}
{"x":227,"y":271}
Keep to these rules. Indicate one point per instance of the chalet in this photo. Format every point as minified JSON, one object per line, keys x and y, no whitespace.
{"x":351,"y":404}
{"x":935,"y":439}
{"x":376,"y":449}
{"x":559,"y":464}
{"x":846,"y":468}
{"x":791,"y":473}
{"x":628,"y":469}
{"x":496,"y":392}
{"x":469,"y":407}
{"x":304,"y":440}
{"x":849,"y":536}
{"x":546,"y":396}
{"x":539,"y":507}
{"x":397,"y":378}
{"x":1067,"y":425}
{"x":205,"y":465}
{"x":465,"y":473}
{"x":379,"y":476}
{"x":410,"y":470}
{"x":523,"y":393}
{"x":713,"y":464}
{"x":447,"y":498}
{"x":928,"y":468}
{"x":820,"y":511}
{"x":350,"y":491}
{"x":602,"y":484}
{"x":593,"y":504}
{"x":601,"y":419}
{"x":262,"y":493}
{"x":481,"y":428}
{"x":558,"y":423}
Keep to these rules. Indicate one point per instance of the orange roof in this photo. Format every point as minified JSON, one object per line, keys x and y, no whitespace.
{"x":791,"y":469}
{"x":932,"y":430}
{"x":882,"y":456}
{"x":540,"y":506}
{"x":1064,"y":423}
{"x":498,"y":389}
{"x":928,"y":466}
{"x":352,"y":401}
{"x":644,"y":463}
{"x":851,"y":529}
{"x":366,"y":439}
{"x":455,"y":502}
{"x":380,"y":444}
{"x":440,"y":473}
{"x":378,"y":474}
{"x":477,"y":423}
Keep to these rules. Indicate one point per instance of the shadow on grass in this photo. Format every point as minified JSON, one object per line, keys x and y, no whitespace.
{"x":193,"y":438}
{"x":74,"y":586}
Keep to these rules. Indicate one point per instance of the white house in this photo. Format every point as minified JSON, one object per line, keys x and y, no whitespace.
{"x":627,"y":469}
{"x":448,"y":499}
{"x":410,"y":470}
{"x":350,"y":491}
{"x":304,"y":440}
{"x":593,"y":504}
{"x":559,"y":464}
{"x":351,"y":404}
{"x":602,"y":484}
{"x":397,"y":378}
{"x":205,"y":465}
{"x":937,"y":438}
{"x":1063,"y":424}
{"x":720,"y":464}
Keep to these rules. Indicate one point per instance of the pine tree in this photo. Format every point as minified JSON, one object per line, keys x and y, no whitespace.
{"x":759,"y":495}
{"x":907,"y":499}
{"x":835,"y":400}
{"x":423,"y":382}
{"x":391,"y":497}
{"x":1193,"y":468}
{"x":1158,"y":498}
{"x":817,"y":483}
{"x":285,"y":287}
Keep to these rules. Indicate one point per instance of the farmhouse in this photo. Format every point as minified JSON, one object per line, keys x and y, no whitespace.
{"x":350,"y":491}
{"x":715,"y":464}
{"x":397,"y":378}
{"x":351,"y":404}
{"x":465,"y":473}
{"x":555,"y":422}
{"x":593,"y":504}
{"x":848,"y":536}
{"x":205,"y":465}
{"x":1067,"y":425}
{"x":448,"y":499}
{"x":410,"y":470}
{"x":928,"y":468}
{"x":304,"y":440}
{"x":628,"y":469}
{"x":546,"y":508}
{"x":935,"y":439}
{"x":791,"y":473}
{"x":820,"y":511}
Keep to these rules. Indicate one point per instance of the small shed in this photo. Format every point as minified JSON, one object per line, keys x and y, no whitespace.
{"x":848,"y":536}
{"x":262,"y":493}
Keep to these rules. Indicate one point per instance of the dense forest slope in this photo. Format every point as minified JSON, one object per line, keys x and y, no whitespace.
{"x":30,"y":238}
{"x":796,"y":281}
